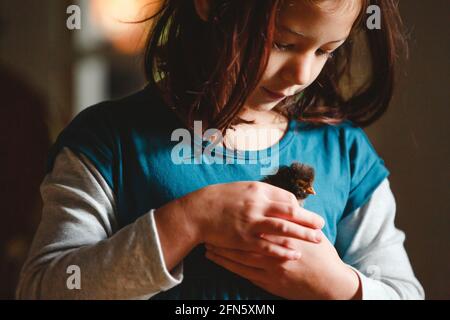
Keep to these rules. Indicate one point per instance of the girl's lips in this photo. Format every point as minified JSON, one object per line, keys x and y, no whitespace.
{"x":273,"y":95}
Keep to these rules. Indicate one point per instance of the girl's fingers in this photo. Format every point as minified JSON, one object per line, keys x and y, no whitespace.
{"x":281,"y":227}
{"x":271,"y":249}
{"x":287,"y":242}
{"x":253,"y":274}
{"x":280,"y":195}
{"x":295,"y":213}
{"x":246,"y":258}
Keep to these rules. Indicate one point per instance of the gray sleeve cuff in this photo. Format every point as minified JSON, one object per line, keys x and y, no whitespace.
{"x":374,"y":289}
{"x":167,"y":279}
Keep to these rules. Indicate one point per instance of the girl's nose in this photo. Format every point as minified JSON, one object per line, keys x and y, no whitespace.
{"x":299,"y":69}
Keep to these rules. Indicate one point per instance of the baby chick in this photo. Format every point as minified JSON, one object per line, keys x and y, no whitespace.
{"x":297,"y":178}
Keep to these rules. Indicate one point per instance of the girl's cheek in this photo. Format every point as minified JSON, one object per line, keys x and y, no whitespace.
{"x":316,"y":71}
{"x":274,"y":66}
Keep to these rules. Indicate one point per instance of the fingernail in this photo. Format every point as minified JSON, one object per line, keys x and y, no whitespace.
{"x":323,"y":223}
{"x":293,"y":255}
{"x":296,"y":256}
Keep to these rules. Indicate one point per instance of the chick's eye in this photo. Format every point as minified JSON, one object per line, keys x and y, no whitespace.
{"x":281,"y":46}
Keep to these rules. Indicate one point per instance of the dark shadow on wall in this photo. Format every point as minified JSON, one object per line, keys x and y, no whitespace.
{"x":24,"y":141}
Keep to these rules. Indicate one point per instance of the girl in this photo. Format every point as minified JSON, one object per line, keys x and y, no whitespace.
{"x":134,"y":222}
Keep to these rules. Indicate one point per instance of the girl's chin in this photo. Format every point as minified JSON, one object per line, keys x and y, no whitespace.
{"x":265,"y":106}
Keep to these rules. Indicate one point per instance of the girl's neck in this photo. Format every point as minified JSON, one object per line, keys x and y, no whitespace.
{"x":268,"y":129}
{"x":263,"y":117}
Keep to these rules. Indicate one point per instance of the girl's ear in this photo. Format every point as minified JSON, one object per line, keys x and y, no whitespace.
{"x":202,"y":8}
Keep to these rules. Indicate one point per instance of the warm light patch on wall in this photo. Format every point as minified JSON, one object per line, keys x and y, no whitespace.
{"x":112,"y":16}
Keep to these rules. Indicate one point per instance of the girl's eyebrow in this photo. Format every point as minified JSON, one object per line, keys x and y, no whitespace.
{"x":300,"y":34}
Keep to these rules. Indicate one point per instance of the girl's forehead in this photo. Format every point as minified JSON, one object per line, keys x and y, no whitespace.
{"x":319,"y":17}
{"x":331,"y":7}
{"x":325,"y":5}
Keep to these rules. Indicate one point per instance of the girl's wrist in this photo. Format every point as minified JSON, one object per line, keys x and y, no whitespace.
{"x":191,"y":220}
{"x":344,"y":284}
{"x":351,"y":284}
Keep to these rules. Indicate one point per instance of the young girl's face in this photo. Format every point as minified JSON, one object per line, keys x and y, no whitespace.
{"x":307,"y":33}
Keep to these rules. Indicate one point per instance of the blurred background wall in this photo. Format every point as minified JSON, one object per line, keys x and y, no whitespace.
{"x":49,"y":73}
{"x":413,"y":138}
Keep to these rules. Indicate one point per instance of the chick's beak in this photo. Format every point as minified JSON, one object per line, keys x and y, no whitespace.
{"x":310,"y":190}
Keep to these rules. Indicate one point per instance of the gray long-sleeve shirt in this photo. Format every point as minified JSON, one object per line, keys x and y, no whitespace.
{"x":79,"y":231}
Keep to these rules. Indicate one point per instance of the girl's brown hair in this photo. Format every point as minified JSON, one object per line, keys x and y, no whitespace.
{"x":211,"y":67}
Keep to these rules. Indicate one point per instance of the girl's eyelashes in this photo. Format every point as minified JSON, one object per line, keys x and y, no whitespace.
{"x":286,"y":47}
{"x":281,"y":46}
{"x":328,"y":54}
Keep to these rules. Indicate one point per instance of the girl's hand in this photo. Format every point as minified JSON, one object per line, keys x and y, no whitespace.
{"x":318,"y":274}
{"x":233,"y":215}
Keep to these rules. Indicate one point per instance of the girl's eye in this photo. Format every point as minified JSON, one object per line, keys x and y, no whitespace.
{"x":321,"y":52}
{"x":282,"y":47}
{"x":285,"y":47}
